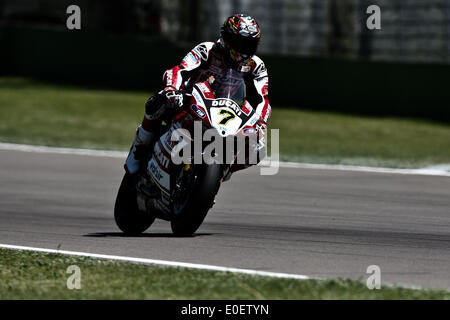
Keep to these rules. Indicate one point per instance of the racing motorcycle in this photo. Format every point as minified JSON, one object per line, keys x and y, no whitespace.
{"x":183,"y":193}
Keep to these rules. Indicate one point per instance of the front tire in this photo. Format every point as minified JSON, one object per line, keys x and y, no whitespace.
{"x":128,"y":217}
{"x":189,"y":219}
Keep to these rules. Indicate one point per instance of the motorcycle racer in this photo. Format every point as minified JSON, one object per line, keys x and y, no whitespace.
{"x":236,"y":48}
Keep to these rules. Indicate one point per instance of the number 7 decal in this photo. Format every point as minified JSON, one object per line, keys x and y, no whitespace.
{"x":228,"y":115}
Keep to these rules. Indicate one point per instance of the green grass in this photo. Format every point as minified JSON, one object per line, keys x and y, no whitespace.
{"x":320,"y":137}
{"x":43,"y":114}
{"x":32,"y":275}
{"x":46,"y":114}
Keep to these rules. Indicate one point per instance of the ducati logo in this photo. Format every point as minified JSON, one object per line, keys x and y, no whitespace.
{"x":227,"y":103}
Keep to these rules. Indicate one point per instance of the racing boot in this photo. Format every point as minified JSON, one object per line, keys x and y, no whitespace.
{"x":141,"y":145}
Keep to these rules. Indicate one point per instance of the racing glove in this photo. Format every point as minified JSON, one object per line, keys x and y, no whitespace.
{"x":174,"y":98}
{"x":261,"y":125}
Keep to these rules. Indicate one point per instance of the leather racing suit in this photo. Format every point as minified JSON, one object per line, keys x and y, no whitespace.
{"x":205,"y":60}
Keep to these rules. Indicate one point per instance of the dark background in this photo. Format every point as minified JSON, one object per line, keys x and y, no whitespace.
{"x":319,"y":54}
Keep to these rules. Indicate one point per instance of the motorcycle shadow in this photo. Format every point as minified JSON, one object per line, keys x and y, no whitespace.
{"x":143,"y":235}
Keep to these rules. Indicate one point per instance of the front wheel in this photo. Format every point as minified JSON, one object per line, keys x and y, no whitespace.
{"x":193,"y":210}
{"x":128,"y":217}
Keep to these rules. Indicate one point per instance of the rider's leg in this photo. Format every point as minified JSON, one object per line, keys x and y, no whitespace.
{"x":143,"y":138}
{"x":145,"y":133}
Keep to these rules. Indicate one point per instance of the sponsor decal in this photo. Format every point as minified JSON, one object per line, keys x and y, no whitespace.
{"x":154,"y":170}
{"x":158,"y":175}
{"x":190,"y":59}
{"x":198,"y":111}
{"x":223,"y":130}
{"x":196,"y":96}
{"x":201,"y":51}
{"x":248,"y":131}
{"x":203,"y":87}
{"x":251,"y":28}
{"x":205,"y":90}
{"x":169,"y":76}
{"x":160,"y":156}
{"x":260,"y":70}
{"x":246,"y":109}
{"x":227,"y":103}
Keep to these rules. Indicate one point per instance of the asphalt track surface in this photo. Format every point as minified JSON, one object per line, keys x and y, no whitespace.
{"x":319,"y":223}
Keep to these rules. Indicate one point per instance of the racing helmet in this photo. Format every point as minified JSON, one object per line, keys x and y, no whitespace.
{"x":240,"y":35}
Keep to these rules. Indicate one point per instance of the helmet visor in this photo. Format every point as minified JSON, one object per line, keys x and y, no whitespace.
{"x":244,"y":45}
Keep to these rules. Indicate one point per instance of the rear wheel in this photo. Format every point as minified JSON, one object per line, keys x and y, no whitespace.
{"x":128,"y":217}
{"x":191,"y":210}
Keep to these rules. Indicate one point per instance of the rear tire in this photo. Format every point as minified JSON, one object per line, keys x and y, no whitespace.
{"x":201,"y":200}
{"x":128,"y":217}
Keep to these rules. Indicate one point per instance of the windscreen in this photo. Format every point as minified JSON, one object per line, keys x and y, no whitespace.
{"x":229,"y":84}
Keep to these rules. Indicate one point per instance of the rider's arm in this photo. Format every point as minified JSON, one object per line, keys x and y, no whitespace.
{"x":174,"y":78}
{"x":261,"y":82}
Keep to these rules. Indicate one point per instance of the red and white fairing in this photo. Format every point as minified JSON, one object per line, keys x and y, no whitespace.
{"x":230,"y":114}
{"x":239,"y":118}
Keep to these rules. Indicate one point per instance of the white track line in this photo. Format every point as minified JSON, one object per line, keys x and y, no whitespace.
{"x":184,"y":265}
{"x":437,"y":170}
{"x":160,"y":262}
{"x":74,"y":151}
